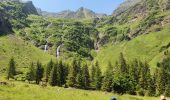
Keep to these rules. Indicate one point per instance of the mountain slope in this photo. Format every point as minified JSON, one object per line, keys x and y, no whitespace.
{"x":23,"y":52}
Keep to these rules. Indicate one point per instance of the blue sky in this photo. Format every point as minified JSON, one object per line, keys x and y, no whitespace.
{"x":99,"y":6}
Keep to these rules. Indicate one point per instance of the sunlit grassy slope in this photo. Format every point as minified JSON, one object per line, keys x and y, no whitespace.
{"x":23,"y":52}
{"x":145,"y":47}
{"x":24,"y":91}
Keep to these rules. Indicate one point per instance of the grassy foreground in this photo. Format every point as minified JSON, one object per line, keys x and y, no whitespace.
{"x":24,"y":91}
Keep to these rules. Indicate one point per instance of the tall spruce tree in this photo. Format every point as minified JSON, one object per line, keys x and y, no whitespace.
{"x":11,"y":71}
{"x":85,"y":77}
{"x":144,"y":76}
{"x":53,"y":80}
{"x":72,"y":74}
{"x":79,"y":79}
{"x":39,"y":72}
{"x":98,"y":76}
{"x":31,"y":73}
{"x":161,"y":81}
{"x":92,"y":76}
{"x":62,"y":72}
{"x":48,"y":69}
{"x":108,"y":78}
{"x":123,"y":64}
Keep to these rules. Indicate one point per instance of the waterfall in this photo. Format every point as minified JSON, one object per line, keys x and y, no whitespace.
{"x":58,"y":51}
{"x":45,"y":48}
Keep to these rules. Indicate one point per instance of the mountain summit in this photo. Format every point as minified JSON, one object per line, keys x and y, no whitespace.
{"x":81,"y":13}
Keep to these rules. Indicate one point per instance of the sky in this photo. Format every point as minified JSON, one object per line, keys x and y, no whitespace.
{"x":98,"y":6}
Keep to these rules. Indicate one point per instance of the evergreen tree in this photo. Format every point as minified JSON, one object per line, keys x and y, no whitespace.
{"x":53,"y":81}
{"x":152,"y":86}
{"x":134,"y":71}
{"x":85,"y":77}
{"x":79,"y":79}
{"x":39,"y":72}
{"x":48,"y":69}
{"x":144,"y":76}
{"x":92,"y":76}
{"x":11,"y":71}
{"x":62,"y":73}
{"x":161,"y":81}
{"x":73,"y":71}
{"x":31,"y":73}
{"x":98,"y":76}
{"x":123,"y":64}
{"x":107,"y":81}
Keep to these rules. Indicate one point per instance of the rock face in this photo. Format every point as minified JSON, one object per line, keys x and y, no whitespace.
{"x":29,"y":8}
{"x":125,"y":6}
{"x":4,"y":24}
{"x":81,"y":13}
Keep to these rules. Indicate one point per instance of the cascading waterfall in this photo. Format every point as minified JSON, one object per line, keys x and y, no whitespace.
{"x":45,"y":48}
{"x":58,"y":51}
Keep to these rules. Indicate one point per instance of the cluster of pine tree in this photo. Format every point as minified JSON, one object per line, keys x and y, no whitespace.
{"x":133,"y":78}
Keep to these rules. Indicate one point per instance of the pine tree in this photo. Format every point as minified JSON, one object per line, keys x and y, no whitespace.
{"x":48,"y":70}
{"x":152,"y":86}
{"x":144,"y":76}
{"x":72,"y":74}
{"x":107,"y":81}
{"x":11,"y":71}
{"x":98,"y":77}
{"x":53,"y":80}
{"x":123,"y":64}
{"x":39,"y":72}
{"x":79,"y":79}
{"x":161,"y":81}
{"x":134,"y":71}
{"x":31,"y":73}
{"x":92,"y":76}
{"x":62,"y":72}
{"x":85,"y":77}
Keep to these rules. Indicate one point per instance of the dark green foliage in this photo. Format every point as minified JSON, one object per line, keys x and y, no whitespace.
{"x":62,"y":73}
{"x":123,"y":84}
{"x":85,"y":77}
{"x":152,"y":86}
{"x":92,"y":76}
{"x":123,"y":65}
{"x":31,"y":73}
{"x":39,"y":72}
{"x":48,"y":69}
{"x":144,"y":76}
{"x":161,"y":81}
{"x":11,"y":71}
{"x":77,"y":39}
{"x":108,"y":78}
{"x":73,"y":72}
{"x":98,"y":76}
{"x":54,"y":78}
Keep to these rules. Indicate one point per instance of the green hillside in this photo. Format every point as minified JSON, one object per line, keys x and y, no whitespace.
{"x":23,"y":52}
{"x":145,"y":47}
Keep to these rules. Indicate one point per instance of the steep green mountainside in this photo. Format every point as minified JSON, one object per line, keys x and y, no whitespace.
{"x":23,"y":52}
{"x":141,"y":31}
{"x":13,"y":17}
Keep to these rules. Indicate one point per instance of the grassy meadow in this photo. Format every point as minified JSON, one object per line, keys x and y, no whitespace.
{"x":25,"y":91}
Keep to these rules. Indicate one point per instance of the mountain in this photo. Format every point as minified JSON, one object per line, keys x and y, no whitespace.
{"x":81,"y":13}
{"x":125,"y":6}
{"x":29,"y":8}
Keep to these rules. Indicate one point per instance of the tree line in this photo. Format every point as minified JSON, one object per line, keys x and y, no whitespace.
{"x":133,"y":78}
